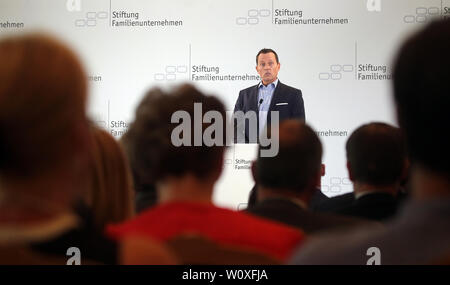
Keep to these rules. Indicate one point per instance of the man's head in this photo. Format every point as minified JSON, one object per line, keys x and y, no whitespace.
{"x":267,"y":65}
{"x":43,"y":127}
{"x":376,"y":155}
{"x":152,"y":152}
{"x":422,"y":96}
{"x":297,"y":167}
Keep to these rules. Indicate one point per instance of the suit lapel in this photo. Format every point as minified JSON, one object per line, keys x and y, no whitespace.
{"x":275,"y":98}
{"x":254,"y":99}
{"x":276,"y":95}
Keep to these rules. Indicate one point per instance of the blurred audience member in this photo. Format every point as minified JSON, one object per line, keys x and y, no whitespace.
{"x":145,"y":193}
{"x":376,"y":164}
{"x":287,"y":182}
{"x":44,"y":150}
{"x":185,"y":176}
{"x":110,"y":197}
{"x":420,"y":233}
{"x":317,"y":198}
{"x":143,"y":251}
{"x":336,"y":203}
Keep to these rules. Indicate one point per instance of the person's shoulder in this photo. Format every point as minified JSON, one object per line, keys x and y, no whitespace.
{"x":248,"y":89}
{"x":343,"y":199}
{"x":342,"y":221}
{"x":288,"y":88}
{"x":335,"y":203}
{"x":277,"y":206}
{"x":277,"y":228}
{"x":347,"y":196}
{"x":342,"y":247}
{"x":151,"y":217}
{"x":96,"y":247}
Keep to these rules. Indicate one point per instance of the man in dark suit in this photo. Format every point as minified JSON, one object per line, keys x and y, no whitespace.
{"x":287,"y":182}
{"x":270,"y":95}
{"x":376,"y":163}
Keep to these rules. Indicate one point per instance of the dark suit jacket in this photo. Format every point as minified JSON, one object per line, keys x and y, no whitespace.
{"x":335,"y":203}
{"x":294,"y":109}
{"x":316,"y":200}
{"x":373,"y":206}
{"x":289,"y":213}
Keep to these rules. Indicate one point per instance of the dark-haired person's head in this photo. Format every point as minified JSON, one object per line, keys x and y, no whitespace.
{"x":267,"y":65}
{"x":376,"y":156}
{"x":296,"y":169}
{"x":267,"y":51}
{"x":156,"y":157}
{"x":422,"y":96}
{"x":44,"y":136}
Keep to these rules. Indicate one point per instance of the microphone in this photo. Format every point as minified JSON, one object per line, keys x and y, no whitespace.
{"x":260,"y":102}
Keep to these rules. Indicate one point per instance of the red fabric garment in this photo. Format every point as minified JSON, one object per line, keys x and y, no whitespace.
{"x":220,"y":225}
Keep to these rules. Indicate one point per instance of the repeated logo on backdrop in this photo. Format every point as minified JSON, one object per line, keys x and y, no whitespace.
{"x":117,"y":18}
{"x":282,"y":16}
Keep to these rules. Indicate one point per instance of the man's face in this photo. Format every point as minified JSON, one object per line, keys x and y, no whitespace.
{"x":267,"y":67}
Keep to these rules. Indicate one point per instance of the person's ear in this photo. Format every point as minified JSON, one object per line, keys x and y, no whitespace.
{"x":322,"y":169}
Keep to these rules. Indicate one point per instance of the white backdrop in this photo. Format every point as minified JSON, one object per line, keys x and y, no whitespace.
{"x":323,"y":45}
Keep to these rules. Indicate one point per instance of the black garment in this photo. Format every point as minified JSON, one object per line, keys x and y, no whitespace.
{"x":336,"y":203}
{"x":373,"y":206}
{"x":289,"y":213}
{"x":317,"y":199}
{"x":252,"y":197}
{"x":146,"y":197}
{"x":286,"y":100}
{"x":93,"y":245}
{"x":145,"y":193}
